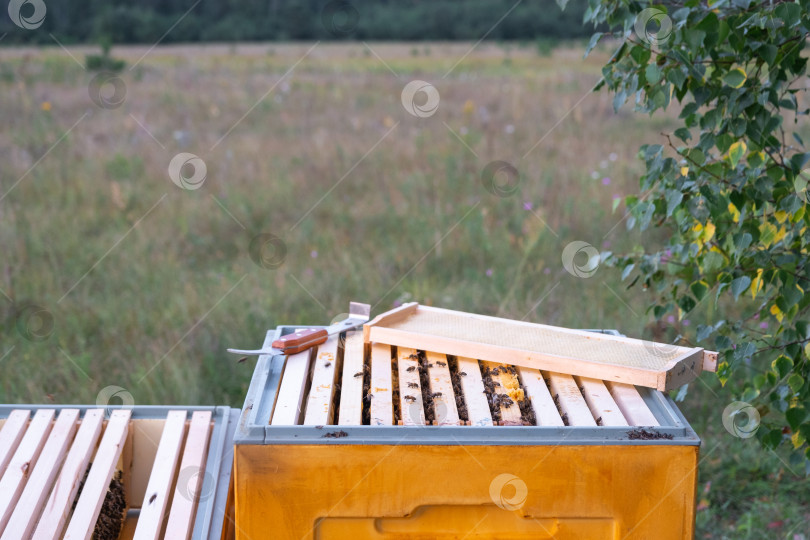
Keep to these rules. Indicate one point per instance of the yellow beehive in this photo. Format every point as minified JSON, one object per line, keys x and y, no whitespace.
{"x":363,"y":446}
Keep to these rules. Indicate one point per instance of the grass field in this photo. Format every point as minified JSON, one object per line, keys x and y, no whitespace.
{"x":146,"y":284}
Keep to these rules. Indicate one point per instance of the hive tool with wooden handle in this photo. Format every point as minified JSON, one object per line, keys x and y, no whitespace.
{"x":306,"y":338}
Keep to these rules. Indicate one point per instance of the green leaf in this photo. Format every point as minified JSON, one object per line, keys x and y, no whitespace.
{"x":735,"y":78}
{"x":674,"y":198}
{"x":699,"y":289}
{"x":797,"y":161}
{"x":686,"y":303}
{"x":653,"y":74}
{"x":789,"y":12}
{"x":740,"y":285}
{"x":795,"y":416}
{"x":694,"y":38}
{"x":795,"y":382}
{"x":703,"y":332}
{"x":593,"y":42}
{"x":683,"y":134}
{"x":782,"y":365}
{"x":676,"y":77}
{"x":713,"y":262}
{"x":627,"y":270}
{"x":768,"y":53}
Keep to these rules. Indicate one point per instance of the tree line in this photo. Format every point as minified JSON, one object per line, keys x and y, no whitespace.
{"x":146,"y":21}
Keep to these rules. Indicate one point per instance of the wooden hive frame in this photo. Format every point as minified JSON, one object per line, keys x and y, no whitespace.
{"x":57,"y":465}
{"x":575,"y":352}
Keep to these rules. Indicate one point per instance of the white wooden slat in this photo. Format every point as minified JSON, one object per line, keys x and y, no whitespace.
{"x":472,"y":385}
{"x":101,"y":472}
{"x":410,"y":388}
{"x":381,"y":389}
{"x":445,"y":411}
{"x":190,"y":478}
{"x":545,"y":411}
{"x":22,"y":463}
{"x":320,"y":403}
{"x":158,"y":489}
{"x":11,"y":434}
{"x":61,"y":498}
{"x":29,"y":506}
{"x":290,"y":398}
{"x":351,"y":384}
{"x":570,"y":400}
{"x":631,"y":404}
{"x":600,"y":402}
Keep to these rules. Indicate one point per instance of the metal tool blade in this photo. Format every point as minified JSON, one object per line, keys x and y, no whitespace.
{"x":358,"y":315}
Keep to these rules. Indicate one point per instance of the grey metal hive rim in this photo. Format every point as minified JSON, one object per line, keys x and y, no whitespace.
{"x":254,"y":421}
{"x":210,"y":515}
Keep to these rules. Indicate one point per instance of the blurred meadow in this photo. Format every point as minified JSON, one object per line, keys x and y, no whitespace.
{"x":146,"y":283}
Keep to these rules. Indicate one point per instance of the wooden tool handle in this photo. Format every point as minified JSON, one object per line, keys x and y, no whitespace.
{"x":301,"y":340}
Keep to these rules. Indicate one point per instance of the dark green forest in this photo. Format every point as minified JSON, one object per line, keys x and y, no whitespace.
{"x":147,"y":21}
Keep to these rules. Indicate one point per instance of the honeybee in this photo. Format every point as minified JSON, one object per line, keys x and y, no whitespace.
{"x":409,"y":399}
{"x":443,"y":364}
{"x":413,"y":385}
{"x":411,"y":368}
{"x":358,"y":374}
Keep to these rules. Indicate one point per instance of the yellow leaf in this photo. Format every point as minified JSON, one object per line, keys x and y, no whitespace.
{"x":735,"y":214}
{"x":708,"y":231}
{"x":797,"y":440}
{"x":684,"y":171}
{"x":736,"y":151}
{"x":780,"y":216}
{"x":776,"y":312}
{"x":780,"y":235}
{"x":756,"y":284}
